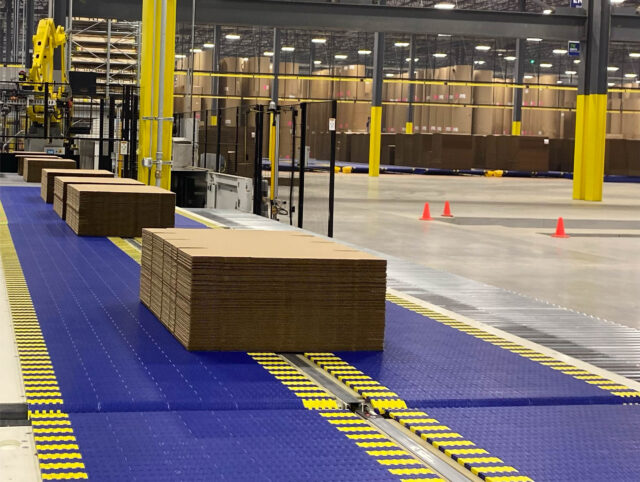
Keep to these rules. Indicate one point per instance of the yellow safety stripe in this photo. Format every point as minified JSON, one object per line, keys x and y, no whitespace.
{"x":128,"y":248}
{"x":51,"y":428}
{"x":615,"y":388}
{"x":440,"y":436}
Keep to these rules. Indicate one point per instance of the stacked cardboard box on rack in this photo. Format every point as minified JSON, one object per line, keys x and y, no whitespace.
{"x":33,"y":167}
{"x":22,"y":157}
{"x":108,"y":210}
{"x":61,"y":184}
{"x":49,"y":175}
{"x":245,"y":290}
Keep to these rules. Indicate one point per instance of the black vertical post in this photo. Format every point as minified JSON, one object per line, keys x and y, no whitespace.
{"x":101,"y":135}
{"x":257,"y":163}
{"x":294,"y":114}
{"x":218,"y":140}
{"x":111,"y":133}
{"x":133,"y":157}
{"x":206,"y":137}
{"x":303,"y":158}
{"x":124,"y":118}
{"x":332,"y":168}
{"x":235,"y":158}
{"x":46,"y":109}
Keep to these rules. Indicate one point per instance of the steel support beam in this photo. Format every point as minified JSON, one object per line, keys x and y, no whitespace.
{"x":215,"y":81}
{"x":564,"y":25}
{"x":375,"y":120}
{"x":411,"y":97}
{"x":28,"y":37}
{"x":591,"y":106}
{"x":518,"y":77}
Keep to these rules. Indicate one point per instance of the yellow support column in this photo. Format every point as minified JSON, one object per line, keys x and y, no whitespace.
{"x":516,"y":128}
{"x":408,"y":127}
{"x":150,"y":89}
{"x":272,"y":155}
{"x":375,"y":138}
{"x":591,"y":129}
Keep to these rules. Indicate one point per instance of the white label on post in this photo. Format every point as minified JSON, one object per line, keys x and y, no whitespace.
{"x":332,"y":124}
{"x":124,"y":148}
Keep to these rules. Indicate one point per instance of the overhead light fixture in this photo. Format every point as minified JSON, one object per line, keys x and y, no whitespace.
{"x":439,"y":55}
{"x":181,"y":56}
{"x":483,"y":48}
{"x":558,"y":82}
{"x":559,"y":51}
{"x":577,"y":61}
{"x":528,"y":77}
{"x":611,"y":84}
{"x":616,"y":2}
{"x":287,"y":49}
{"x":364,"y":52}
{"x":268,"y":54}
{"x":340,"y":56}
{"x":401,"y":44}
{"x":408,"y":59}
{"x":232,"y":36}
{"x":444,"y":35}
{"x":208,"y":46}
{"x":613,"y":69}
{"x":510,"y":58}
{"x":319,"y":40}
{"x":570,"y":72}
{"x":479,"y":62}
{"x":534,"y":39}
{"x":547,"y":11}
{"x":445,"y":6}
{"x":546,"y":66}
{"x":634,"y":55}
{"x":195,"y":51}
{"x":317,"y":62}
{"x":388,"y":75}
{"x":630,"y":76}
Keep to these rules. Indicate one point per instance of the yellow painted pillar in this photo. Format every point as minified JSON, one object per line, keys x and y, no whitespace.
{"x":150,"y":90}
{"x":408,"y":127}
{"x":272,"y":155}
{"x":516,"y":128}
{"x":589,"y":152}
{"x":375,"y":139}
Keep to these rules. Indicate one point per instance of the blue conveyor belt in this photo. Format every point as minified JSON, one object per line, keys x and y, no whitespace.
{"x":556,"y":443}
{"x":430,"y":364}
{"x":248,"y":445}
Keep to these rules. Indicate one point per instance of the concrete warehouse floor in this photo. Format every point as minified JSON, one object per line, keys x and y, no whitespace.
{"x":500,"y":234}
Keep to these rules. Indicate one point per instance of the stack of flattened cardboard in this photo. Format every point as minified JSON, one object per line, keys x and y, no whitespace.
{"x":22,"y":156}
{"x":49,"y":175}
{"x":117,"y":210}
{"x":247,"y":290}
{"x":33,"y":167}
{"x":61,"y":184}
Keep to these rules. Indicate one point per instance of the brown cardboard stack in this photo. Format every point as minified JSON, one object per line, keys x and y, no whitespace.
{"x":249,"y":290}
{"x":49,"y":175}
{"x":33,"y":167}
{"x":62,"y":182}
{"x":22,"y":156}
{"x":106,"y":210}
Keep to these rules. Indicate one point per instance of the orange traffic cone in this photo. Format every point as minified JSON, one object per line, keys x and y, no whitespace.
{"x":447,"y":210}
{"x":560,"y":230}
{"x":426,"y":214}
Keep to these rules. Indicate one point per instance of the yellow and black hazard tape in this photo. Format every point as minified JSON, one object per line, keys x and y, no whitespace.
{"x":129,"y":249}
{"x":611,"y":386}
{"x":56,"y":446}
{"x":476,"y":459}
{"x":199,"y":219}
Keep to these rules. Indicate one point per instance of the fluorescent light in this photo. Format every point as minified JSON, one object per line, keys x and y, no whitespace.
{"x":613,"y":69}
{"x":364,"y":52}
{"x":510,"y":58}
{"x":287,"y":49}
{"x":208,"y":46}
{"x":570,"y":72}
{"x":445,"y":6}
{"x":528,"y":77}
{"x":319,"y":40}
{"x":611,"y":84}
{"x":534,"y":39}
{"x":181,"y":56}
{"x":546,"y":66}
{"x":232,"y":36}
{"x":389,"y":75}
{"x":479,"y":62}
{"x":634,"y":55}
{"x":559,"y":51}
{"x":577,"y":61}
{"x":408,"y":59}
{"x":268,"y":54}
{"x":483,"y":48}
{"x":401,"y":44}
{"x":340,"y":56}
{"x":195,"y":51}
{"x":439,"y":55}
{"x":444,"y":35}
{"x":630,"y":76}
{"x":616,"y":2}
{"x":547,"y":11}
{"x":558,"y":82}
{"x":317,"y":62}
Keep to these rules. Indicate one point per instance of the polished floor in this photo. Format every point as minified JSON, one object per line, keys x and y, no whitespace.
{"x":500,"y":234}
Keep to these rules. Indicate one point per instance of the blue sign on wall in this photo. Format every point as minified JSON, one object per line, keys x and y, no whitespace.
{"x":573,"y":48}
{"x":576,"y":3}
